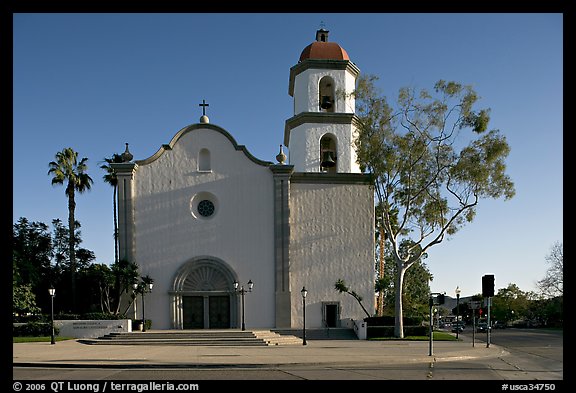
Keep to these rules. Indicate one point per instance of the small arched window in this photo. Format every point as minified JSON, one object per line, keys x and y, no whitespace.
{"x":204,"y":160}
{"x":327,"y":98}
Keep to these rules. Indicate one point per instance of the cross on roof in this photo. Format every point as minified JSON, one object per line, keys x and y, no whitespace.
{"x":203,"y":105}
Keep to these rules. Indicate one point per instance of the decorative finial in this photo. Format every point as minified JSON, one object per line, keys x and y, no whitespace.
{"x":204,"y":118}
{"x":281,"y":157}
{"x":127,"y":156}
{"x":322,"y":33}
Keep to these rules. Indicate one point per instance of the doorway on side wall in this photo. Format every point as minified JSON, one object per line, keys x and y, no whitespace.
{"x":331,"y":314}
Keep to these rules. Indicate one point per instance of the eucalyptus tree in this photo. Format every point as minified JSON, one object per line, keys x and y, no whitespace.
{"x":68,"y":170}
{"x":111,"y":178}
{"x":60,"y":251}
{"x":553,"y":283}
{"x":415,"y":287}
{"x":510,"y":303}
{"x":432,"y":160}
{"x":102,"y":280}
{"x":31,"y":251}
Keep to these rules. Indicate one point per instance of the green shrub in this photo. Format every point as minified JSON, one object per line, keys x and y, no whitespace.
{"x":100,"y":316}
{"x":34,"y":329}
{"x":67,"y":317}
{"x":389,"y":320}
{"x":388,"y":331}
{"x":30,"y":318}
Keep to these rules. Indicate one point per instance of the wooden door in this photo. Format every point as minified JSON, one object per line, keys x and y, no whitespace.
{"x":193,"y":312}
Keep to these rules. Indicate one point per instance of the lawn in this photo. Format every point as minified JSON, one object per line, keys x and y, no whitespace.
{"x":436,"y":336}
{"x":42,"y":339}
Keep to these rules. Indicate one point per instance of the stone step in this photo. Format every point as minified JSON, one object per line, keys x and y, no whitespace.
{"x":169,"y":335}
{"x":273,"y":338}
{"x":229,"y":343}
{"x":196,"y":337}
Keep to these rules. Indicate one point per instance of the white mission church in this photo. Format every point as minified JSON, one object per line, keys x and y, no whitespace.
{"x":203,"y":213}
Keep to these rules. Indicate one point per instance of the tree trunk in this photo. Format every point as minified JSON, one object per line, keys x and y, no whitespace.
{"x":381,"y":273}
{"x":359,"y":302}
{"x":399,"y":319}
{"x":71,"y":226}
{"x":115,"y":227}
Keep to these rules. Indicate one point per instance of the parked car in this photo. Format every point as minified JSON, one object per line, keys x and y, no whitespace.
{"x":457,"y":327}
{"x":499,"y":325}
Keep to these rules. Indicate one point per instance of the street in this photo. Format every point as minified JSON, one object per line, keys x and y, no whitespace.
{"x":527,"y":354}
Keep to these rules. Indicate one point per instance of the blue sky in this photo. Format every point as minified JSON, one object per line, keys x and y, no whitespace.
{"x":95,"y":81}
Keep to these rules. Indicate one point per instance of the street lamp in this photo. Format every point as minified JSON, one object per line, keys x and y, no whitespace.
{"x":457,"y":310}
{"x":143,"y":287}
{"x":52,"y":293}
{"x":243,"y":291}
{"x":304,"y":292}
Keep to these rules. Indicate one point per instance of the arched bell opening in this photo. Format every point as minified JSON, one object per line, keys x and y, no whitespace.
{"x":328,"y":155}
{"x":327,"y":99}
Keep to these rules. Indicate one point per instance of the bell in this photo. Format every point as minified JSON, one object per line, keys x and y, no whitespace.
{"x":327,"y":160}
{"x":326,"y":103}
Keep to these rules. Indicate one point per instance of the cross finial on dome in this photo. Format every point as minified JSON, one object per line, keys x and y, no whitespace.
{"x":203,"y":105}
{"x":204,"y":118}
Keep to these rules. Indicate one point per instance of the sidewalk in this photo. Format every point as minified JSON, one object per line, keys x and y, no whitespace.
{"x":317,"y":352}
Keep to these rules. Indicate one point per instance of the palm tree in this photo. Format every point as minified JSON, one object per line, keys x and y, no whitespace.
{"x":67,"y":169}
{"x":111,"y":178}
{"x":341,"y":286}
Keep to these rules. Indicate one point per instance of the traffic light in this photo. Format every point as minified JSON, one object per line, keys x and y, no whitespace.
{"x":488,"y":285}
{"x":441,"y":298}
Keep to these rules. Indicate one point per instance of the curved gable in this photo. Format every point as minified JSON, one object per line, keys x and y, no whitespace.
{"x":193,"y":127}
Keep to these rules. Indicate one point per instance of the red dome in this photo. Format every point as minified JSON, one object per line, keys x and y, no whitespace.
{"x":324,"y":51}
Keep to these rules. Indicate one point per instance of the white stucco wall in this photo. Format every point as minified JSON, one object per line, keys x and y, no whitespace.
{"x":306,"y":87}
{"x":332,"y":237}
{"x":240,"y":233}
{"x":304,"y":150}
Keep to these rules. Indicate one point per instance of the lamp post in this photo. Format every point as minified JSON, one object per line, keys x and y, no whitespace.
{"x":135,"y":286}
{"x":430,"y":330}
{"x":457,"y":310}
{"x":304,"y":292}
{"x":52,"y":293}
{"x":242,"y":292}
{"x":143,"y":287}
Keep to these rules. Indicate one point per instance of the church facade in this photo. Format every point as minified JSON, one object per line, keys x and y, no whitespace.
{"x":231,"y":240}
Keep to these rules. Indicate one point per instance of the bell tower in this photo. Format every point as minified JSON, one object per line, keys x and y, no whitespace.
{"x":320,"y":136}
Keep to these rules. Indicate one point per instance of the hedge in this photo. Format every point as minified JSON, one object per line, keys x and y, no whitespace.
{"x":34,"y":329}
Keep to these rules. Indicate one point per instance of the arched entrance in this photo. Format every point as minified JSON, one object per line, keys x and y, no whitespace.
{"x":202,"y":295}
